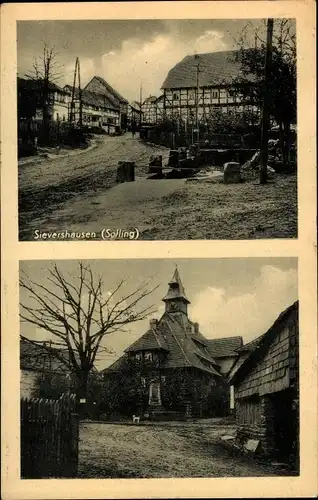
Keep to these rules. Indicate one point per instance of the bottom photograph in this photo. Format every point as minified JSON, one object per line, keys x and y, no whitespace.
{"x":159,"y":368}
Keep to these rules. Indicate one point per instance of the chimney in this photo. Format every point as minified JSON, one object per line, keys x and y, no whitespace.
{"x":153,"y":323}
{"x":196,"y":327}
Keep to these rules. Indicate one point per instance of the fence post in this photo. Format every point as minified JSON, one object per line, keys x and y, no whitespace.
{"x":74,"y":444}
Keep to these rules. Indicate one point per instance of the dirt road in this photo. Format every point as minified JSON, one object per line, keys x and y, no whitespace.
{"x":184,"y":450}
{"x":78,"y":193}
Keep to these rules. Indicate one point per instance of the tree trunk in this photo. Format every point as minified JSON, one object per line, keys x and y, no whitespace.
{"x":82,"y":382}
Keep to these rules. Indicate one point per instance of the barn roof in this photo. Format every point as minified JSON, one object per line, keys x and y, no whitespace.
{"x":216,"y":68}
{"x":224,"y":347}
{"x":93,"y":99}
{"x":249,"y":353}
{"x":110,"y":89}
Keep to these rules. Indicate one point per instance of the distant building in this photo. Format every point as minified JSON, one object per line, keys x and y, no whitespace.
{"x":265,"y":379}
{"x":34,"y":100}
{"x":99,"y":86}
{"x":208,"y":79}
{"x":135,"y":114}
{"x":97,"y":110}
{"x":38,"y":362}
{"x":175,"y":350}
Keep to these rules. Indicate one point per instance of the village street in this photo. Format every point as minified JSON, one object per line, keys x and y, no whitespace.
{"x":171,"y":449}
{"x":79,"y":193}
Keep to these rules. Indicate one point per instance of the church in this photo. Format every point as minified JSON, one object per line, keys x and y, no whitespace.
{"x":173,"y":368}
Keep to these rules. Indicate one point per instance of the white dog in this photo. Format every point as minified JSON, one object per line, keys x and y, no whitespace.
{"x":135,"y":419}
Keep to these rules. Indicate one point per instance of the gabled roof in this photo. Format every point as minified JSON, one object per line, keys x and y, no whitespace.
{"x":36,"y":357}
{"x":224,"y":347}
{"x":110,"y":89}
{"x":216,"y":68}
{"x":35,"y":84}
{"x":93,"y":99}
{"x":44,"y":358}
{"x":251,"y":352}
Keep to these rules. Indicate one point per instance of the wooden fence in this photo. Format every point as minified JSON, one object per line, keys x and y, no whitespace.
{"x":49,"y":438}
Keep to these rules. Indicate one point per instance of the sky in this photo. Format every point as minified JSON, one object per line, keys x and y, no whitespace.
{"x":229,"y":297}
{"x":127,"y":54}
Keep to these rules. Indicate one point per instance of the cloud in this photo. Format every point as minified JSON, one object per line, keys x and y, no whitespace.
{"x":148,"y":62}
{"x":249,"y":314}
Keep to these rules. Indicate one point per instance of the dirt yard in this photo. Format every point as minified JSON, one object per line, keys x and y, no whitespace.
{"x":78,"y":193}
{"x":166,"y":450}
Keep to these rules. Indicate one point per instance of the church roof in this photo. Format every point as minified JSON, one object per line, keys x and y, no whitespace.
{"x":174,"y":334}
{"x":152,"y":339}
{"x":176,"y":288}
{"x":216,"y":68}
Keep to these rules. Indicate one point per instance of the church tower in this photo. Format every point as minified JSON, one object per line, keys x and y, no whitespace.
{"x":176,"y":300}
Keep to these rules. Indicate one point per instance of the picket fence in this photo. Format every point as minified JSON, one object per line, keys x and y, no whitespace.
{"x":49,"y":438}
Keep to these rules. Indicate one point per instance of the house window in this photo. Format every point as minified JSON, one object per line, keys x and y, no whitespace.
{"x":143,"y":381}
{"x":148,"y":356}
{"x":191,"y":95}
{"x":175,"y":96}
{"x":163,"y":378}
{"x":138,"y":356}
{"x":215,"y":94}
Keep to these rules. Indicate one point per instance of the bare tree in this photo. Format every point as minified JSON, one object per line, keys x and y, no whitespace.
{"x":78,"y":315}
{"x":45,"y":73}
{"x":281,"y":87}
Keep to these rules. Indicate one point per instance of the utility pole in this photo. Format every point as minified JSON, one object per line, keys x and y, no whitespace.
{"x":197,"y":102}
{"x":140,"y":105}
{"x":77,"y":73}
{"x":266,"y":102}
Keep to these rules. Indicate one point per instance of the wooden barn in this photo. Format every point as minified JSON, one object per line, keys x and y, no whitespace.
{"x":203,"y":84}
{"x":265,"y":378}
{"x":174,"y":363}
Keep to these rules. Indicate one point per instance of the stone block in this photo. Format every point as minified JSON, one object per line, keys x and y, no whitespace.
{"x":232,"y":173}
{"x":125,"y":171}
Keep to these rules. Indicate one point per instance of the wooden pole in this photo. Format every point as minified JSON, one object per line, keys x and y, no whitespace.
{"x":197,"y":106}
{"x":266,"y":102}
{"x":80,"y":94}
{"x":140,"y":111}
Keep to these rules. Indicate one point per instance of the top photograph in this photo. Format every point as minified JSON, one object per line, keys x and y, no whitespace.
{"x":157,"y":129}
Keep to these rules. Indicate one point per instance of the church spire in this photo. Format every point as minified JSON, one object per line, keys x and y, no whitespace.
{"x":176,"y":299}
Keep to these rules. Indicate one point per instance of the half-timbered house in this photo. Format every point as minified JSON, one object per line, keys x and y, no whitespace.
{"x":203,"y":84}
